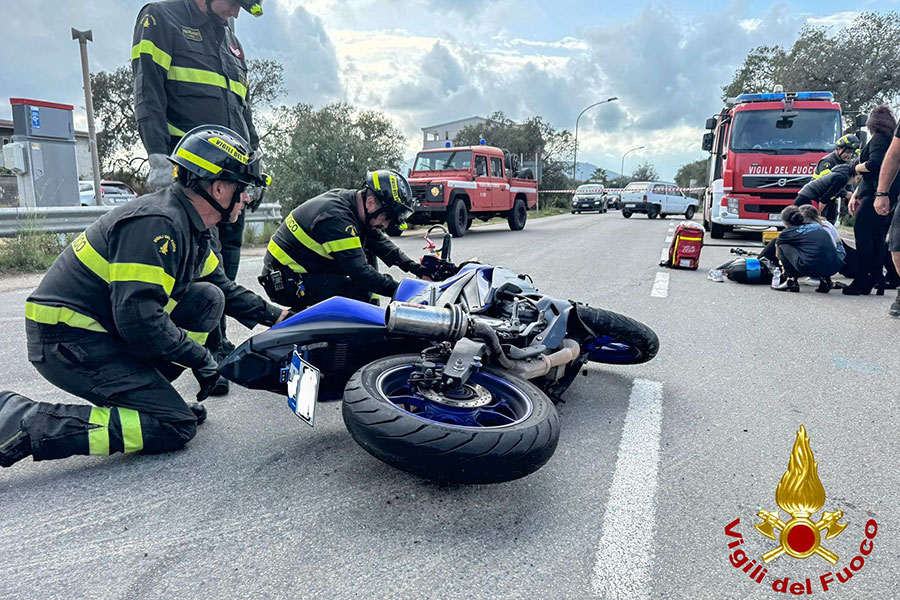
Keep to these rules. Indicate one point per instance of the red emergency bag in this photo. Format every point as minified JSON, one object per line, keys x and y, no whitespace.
{"x":684,"y":253}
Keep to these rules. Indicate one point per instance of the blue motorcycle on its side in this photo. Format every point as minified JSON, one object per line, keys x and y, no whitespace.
{"x":455,"y":380}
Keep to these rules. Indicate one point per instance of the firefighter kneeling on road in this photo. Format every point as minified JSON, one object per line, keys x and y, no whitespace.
{"x":125,"y":309}
{"x":327,"y":246}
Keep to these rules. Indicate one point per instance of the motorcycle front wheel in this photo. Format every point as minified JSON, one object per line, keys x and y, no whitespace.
{"x":497,"y":427}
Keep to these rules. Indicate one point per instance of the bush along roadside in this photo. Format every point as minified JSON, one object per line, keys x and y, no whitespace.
{"x":32,"y":250}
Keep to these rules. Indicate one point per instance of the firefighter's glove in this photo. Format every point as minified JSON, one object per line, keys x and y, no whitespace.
{"x":207,"y":376}
{"x":422,"y":271}
{"x":160,"y":172}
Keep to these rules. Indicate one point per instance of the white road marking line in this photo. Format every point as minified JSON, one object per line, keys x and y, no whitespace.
{"x":664,"y":257}
{"x":660,"y":286}
{"x":625,"y":552}
{"x":669,"y":239}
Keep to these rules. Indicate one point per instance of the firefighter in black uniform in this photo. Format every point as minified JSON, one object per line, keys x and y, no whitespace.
{"x":321,"y":249}
{"x":124,"y":310}
{"x":845,"y":150}
{"x":189,"y":70}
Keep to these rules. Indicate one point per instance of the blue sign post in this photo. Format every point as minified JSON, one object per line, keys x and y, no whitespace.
{"x":35,"y":118}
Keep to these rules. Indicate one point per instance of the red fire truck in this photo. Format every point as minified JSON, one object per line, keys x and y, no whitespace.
{"x":458,"y":185}
{"x":763,"y":149}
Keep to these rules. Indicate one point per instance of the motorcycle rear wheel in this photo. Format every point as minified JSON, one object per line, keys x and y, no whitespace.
{"x":619,"y":340}
{"x":513,"y":436}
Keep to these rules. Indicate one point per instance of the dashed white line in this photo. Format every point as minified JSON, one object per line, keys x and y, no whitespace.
{"x":669,"y":238}
{"x":664,"y":256}
{"x":660,"y":286}
{"x":625,"y":552}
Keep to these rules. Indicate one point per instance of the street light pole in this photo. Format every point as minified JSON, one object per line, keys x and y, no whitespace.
{"x":622,"y":173}
{"x":575,"y":158}
{"x":83,"y":38}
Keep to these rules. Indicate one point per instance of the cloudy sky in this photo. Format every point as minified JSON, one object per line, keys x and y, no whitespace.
{"x":425,"y":62}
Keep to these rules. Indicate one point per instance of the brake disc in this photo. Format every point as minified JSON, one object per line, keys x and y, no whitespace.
{"x":465,"y":396}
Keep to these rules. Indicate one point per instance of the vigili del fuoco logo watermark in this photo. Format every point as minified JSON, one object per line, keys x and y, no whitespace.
{"x":800,"y":494}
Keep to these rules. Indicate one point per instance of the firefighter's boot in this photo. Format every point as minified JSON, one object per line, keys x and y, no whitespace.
{"x":199,"y":411}
{"x":15,"y":443}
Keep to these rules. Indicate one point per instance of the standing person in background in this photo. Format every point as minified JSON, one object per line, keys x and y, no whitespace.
{"x":886,"y":197}
{"x":189,"y":70}
{"x":870,"y":227}
{"x":845,"y":150}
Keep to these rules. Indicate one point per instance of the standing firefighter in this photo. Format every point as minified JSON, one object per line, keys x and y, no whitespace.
{"x":125,"y":309}
{"x":190,"y":70}
{"x":322,"y":248}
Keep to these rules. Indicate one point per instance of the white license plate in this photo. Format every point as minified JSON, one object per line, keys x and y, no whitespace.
{"x":303,"y":389}
{"x":775,"y":216}
{"x":629,"y":206}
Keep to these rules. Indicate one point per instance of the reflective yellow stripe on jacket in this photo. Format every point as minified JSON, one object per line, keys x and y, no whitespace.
{"x":282,"y":257}
{"x":203,"y":77}
{"x":54,"y":315}
{"x":304,"y":238}
{"x":159,"y":56}
{"x":350,"y":243}
{"x":212,"y":261}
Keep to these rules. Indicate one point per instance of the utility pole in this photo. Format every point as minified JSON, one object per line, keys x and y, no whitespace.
{"x":83,"y":38}
{"x":626,"y":154}
{"x":575,"y":152}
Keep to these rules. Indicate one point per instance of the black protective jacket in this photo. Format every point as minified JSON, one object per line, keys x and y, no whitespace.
{"x":326,"y":235}
{"x":125,"y":274}
{"x":825,"y":187}
{"x":189,"y":70}
{"x":826,"y":163}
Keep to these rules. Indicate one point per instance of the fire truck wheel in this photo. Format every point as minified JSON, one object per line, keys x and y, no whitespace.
{"x":518,"y":215}
{"x":457,"y":217}
{"x":689,"y":213}
{"x":469,"y":224}
{"x":716,"y":231}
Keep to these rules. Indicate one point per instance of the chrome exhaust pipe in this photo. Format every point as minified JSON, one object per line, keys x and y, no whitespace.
{"x":540,"y":365}
{"x":445,"y":324}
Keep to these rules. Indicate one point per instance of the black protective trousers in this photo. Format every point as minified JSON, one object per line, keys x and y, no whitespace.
{"x":231,"y":239}
{"x":135,"y":406}
{"x":870,"y":230}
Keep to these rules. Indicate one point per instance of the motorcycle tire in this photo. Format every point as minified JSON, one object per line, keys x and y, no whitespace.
{"x":619,"y":339}
{"x":512,"y":437}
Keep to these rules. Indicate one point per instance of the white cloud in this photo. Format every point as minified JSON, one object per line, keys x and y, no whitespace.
{"x":840,"y":19}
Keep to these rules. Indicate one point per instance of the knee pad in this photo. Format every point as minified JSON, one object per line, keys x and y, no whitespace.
{"x":200,"y":308}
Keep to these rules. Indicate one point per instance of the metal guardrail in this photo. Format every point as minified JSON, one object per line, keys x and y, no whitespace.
{"x":74,"y":219}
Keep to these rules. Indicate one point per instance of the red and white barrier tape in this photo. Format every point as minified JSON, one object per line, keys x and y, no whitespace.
{"x":606,"y":190}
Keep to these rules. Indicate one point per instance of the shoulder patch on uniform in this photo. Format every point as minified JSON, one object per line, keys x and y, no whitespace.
{"x":351,"y":231}
{"x":166,"y":244}
{"x":236,"y":50}
{"x":192,"y":34}
{"x":148,"y":21}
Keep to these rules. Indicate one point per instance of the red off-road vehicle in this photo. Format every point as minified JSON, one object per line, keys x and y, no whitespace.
{"x":458,"y":185}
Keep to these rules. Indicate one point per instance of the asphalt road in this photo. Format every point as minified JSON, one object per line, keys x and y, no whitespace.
{"x":654,"y":461}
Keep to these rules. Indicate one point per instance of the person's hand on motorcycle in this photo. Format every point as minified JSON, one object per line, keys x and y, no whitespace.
{"x":207,"y":376}
{"x":160,"y":172}
{"x":284,"y":315}
{"x":423,"y":272}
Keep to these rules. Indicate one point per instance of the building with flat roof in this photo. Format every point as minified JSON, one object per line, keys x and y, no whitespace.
{"x":437,"y":136}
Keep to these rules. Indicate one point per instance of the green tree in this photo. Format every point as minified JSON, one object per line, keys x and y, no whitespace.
{"x":645,"y":172}
{"x":859,"y":63}
{"x":266,"y":79}
{"x":600,"y":175}
{"x":117,"y":131}
{"x":310,"y":151}
{"x":697,"y":171}
{"x":533,"y":137}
